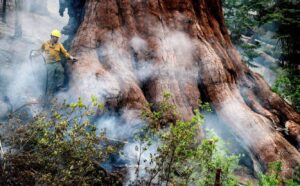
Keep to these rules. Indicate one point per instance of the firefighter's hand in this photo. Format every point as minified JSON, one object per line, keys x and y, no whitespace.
{"x":73,"y":59}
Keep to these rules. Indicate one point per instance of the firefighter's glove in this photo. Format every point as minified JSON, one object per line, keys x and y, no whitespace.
{"x":73,"y":59}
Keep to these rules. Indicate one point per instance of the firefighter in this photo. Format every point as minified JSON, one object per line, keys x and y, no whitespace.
{"x":52,"y":51}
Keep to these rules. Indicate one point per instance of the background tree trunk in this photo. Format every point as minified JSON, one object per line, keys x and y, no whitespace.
{"x":187,"y":44}
{"x":4,"y":11}
{"x":18,"y":24}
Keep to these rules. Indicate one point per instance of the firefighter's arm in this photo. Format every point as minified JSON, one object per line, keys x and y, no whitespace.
{"x":66,"y":54}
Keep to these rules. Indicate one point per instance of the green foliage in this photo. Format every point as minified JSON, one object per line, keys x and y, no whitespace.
{"x":285,"y":13}
{"x":240,"y":22}
{"x":162,"y":113}
{"x":273,"y":178}
{"x":249,"y":53}
{"x":288,"y":86}
{"x":296,"y":177}
{"x":243,"y":16}
{"x":204,"y":107}
{"x":238,"y":19}
{"x":246,"y":16}
{"x":57,"y":148}
{"x":63,"y":147}
{"x":181,"y":158}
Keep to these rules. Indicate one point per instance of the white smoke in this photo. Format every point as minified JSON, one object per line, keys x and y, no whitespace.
{"x":132,"y":152}
{"x":138,"y":44}
{"x":118,"y":68}
{"x":120,"y":126}
{"x":110,"y":70}
{"x":27,"y":82}
{"x":23,"y":81}
{"x":176,"y":50}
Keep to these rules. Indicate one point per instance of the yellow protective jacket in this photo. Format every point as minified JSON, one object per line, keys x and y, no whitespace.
{"x":53,"y":51}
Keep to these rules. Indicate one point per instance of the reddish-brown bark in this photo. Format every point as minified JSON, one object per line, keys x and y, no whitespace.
{"x":240,"y":97}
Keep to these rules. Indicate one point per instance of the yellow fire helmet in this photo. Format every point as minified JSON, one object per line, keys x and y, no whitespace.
{"x":56,"y":33}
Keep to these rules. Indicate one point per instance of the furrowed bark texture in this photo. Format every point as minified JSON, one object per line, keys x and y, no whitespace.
{"x":211,"y":68}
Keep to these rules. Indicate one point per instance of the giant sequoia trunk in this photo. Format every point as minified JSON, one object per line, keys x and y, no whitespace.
{"x":186,"y":47}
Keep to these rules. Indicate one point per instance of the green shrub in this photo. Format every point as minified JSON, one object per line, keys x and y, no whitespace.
{"x":288,"y":86}
{"x":63,"y":147}
{"x":181,"y":157}
{"x":272,"y":176}
{"x":57,"y":148}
